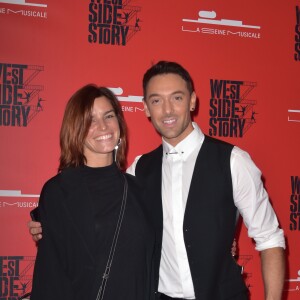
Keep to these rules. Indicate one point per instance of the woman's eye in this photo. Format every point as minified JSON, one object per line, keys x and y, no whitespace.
{"x":110,"y":116}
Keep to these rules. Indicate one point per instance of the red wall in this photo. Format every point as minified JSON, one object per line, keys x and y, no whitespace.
{"x":49,"y":51}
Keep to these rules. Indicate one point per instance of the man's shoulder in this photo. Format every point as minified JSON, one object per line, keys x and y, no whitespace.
{"x":153,"y":155}
{"x":141,"y":158}
{"x":147,"y":163}
{"x":150,"y":153}
{"x":217,"y":148}
{"x":214,"y":141}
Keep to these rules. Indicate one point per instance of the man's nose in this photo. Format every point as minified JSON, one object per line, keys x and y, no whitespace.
{"x":168,"y":106}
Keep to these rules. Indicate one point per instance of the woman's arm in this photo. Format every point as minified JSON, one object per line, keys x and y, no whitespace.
{"x":50,"y":280}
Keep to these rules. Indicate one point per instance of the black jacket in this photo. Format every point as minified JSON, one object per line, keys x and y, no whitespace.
{"x":65,"y":267}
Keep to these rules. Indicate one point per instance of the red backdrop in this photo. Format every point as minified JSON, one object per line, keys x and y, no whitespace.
{"x":51,"y":48}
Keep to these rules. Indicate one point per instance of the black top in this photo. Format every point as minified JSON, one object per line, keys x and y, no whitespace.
{"x":79,"y":209}
{"x":105,"y":187}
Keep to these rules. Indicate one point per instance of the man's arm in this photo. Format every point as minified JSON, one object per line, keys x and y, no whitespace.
{"x":273,"y":270}
{"x":259,"y":217}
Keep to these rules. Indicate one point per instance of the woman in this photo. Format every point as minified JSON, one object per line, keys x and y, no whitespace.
{"x":81,"y":206}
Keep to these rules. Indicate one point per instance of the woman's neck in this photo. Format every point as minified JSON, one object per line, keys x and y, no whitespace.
{"x":99,"y":161}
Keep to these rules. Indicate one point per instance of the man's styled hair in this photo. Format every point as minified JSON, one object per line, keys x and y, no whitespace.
{"x":168,"y":67}
{"x":77,"y":121}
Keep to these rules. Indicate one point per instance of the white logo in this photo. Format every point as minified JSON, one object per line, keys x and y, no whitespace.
{"x":17,"y":194}
{"x":35,"y":10}
{"x":293,"y":284}
{"x":209,"y":18}
{"x":22,"y":2}
{"x":293,"y":115}
{"x":13,"y":193}
{"x":118,"y":91}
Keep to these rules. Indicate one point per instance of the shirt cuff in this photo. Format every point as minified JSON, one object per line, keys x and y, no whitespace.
{"x":274,"y":240}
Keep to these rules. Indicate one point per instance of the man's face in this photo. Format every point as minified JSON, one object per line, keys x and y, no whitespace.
{"x":168,"y":103}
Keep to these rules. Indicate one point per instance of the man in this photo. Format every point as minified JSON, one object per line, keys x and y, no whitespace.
{"x":193,"y":186}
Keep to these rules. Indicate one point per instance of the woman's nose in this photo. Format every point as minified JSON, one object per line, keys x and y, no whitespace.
{"x":101,"y":125}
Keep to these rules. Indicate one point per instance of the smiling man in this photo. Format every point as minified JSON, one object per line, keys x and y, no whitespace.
{"x":193,"y":187}
{"x":168,"y":103}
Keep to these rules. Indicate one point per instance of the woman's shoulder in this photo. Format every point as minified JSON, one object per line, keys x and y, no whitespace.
{"x":51,"y":191}
{"x":57,"y":188}
{"x":52,"y":182}
{"x":65,"y":178}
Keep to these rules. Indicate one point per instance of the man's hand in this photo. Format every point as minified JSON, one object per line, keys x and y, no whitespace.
{"x":35,"y":229}
{"x":234,"y":248}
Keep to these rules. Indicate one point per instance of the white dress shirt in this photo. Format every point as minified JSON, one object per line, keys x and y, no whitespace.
{"x":249,"y":196}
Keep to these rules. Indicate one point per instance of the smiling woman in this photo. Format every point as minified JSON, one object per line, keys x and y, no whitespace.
{"x":103,"y":134}
{"x":91,"y":213}
{"x":88,"y":109}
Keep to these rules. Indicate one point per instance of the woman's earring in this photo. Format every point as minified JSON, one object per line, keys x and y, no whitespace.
{"x":116,"y":149}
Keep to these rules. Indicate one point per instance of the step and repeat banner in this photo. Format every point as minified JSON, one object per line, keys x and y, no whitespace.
{"x":244,"y":57}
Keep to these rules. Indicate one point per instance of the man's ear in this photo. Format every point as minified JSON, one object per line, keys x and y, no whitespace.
{"x":193,"y":101}
{"x":147,"y":113}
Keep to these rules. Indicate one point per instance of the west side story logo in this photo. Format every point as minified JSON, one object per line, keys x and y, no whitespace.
{"x":295,"y":203}
{"x":20,"y":100}
{"x":206,"y":23}
{"x":15,"y":276}
{"x":297,"y":35}
{"x":35,"y":10}
{"x":231,"y":113}
{"x":113,"y":22}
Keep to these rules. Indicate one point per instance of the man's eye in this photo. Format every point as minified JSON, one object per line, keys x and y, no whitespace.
{"x":178,"y":97}
{"x":155,"y":101}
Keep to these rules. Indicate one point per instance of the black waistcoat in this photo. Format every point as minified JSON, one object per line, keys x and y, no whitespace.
{"x":209,"y":221}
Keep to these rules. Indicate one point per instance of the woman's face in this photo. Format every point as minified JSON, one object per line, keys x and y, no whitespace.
{"x":103,"y":134}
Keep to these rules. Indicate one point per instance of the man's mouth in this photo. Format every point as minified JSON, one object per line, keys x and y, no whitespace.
{"x":169,"y":121}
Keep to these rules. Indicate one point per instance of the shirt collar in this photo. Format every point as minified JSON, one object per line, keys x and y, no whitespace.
{"x":193,"y":141}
